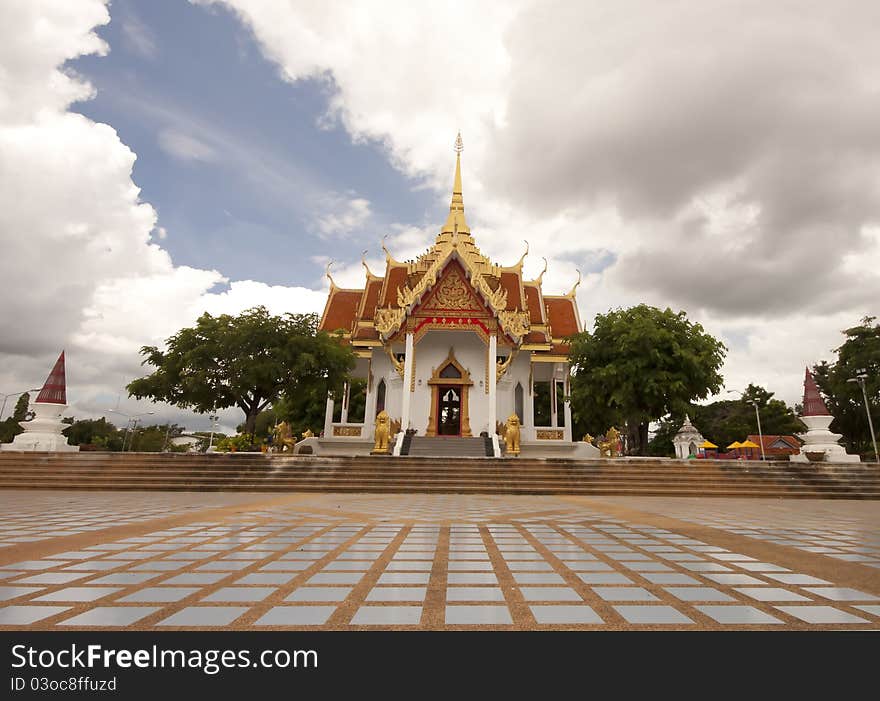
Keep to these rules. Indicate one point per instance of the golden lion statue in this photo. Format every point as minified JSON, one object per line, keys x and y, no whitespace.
{"x":512,"y":434}
{"x":609,"y":447}
{"x":588,"y":439}
{"x":283,"y":438}
{"x":382,"y":436}
{"x":308,"y":434}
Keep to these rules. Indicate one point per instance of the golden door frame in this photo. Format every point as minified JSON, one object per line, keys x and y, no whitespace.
{"x":463,"y":382}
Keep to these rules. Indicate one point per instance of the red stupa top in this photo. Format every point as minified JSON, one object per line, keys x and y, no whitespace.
{"x":55,"y":389}
{"x":814,"y":405}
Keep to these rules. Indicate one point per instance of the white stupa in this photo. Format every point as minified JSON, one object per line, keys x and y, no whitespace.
{"x":818,"y":438}
{"x":688,"y":440}
{"x":43,"y":432}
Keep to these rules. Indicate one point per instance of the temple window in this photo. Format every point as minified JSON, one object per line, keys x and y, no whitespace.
{"x":542,"y":401}
{"x":518,"y":401}
{"x":357,"y":401}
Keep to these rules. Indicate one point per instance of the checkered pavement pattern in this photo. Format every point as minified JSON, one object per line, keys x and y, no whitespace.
{"x":814,"y":526}
{"x":347,"y":562}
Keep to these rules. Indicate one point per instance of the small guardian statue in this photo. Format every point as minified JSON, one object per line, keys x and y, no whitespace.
{"x":512,"y":435}
{"x":382,"y":438}
{"x":609,"y":447}
{"x":283,"y":438}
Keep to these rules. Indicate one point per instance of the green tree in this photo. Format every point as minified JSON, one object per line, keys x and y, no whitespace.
{"x":639,"y":365}
{"x":9,"y":427}
{"x":246,"y":361}
{"x":730,"y":420}
{"x":155,"y":439}
{"x":21,"y":407}
{"x":860,"y":351}
{"x":99,"y":433}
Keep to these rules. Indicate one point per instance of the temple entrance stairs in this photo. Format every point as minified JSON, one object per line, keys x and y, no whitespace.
{"x":436,"y":474}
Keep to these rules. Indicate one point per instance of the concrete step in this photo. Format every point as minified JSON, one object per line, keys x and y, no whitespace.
{"x":447,"y":447}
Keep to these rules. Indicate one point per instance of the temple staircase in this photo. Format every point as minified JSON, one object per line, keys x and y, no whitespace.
{"x":436,"y":474}
{"x":451,"y":447}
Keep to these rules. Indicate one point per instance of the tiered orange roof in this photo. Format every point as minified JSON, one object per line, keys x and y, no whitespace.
{"x":523,"y":315}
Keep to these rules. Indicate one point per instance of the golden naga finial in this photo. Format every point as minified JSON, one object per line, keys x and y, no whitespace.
{"x":388,"y":257}
{"x":364,"y":263}
{"x":330,"y":277}
{"x":523,"y":256}
{"x":573,"y":289}
{"x":540,"y":277}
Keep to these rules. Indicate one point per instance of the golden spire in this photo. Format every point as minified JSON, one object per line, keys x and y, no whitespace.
{"x":456,"y":207}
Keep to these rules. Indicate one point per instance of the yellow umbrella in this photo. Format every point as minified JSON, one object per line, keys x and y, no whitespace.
{"x":749,"y":444}
{"x":735,"y":444}
{"x":708,"y":444}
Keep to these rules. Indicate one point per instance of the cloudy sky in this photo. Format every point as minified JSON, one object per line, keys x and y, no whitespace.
{"x":159,"y":159}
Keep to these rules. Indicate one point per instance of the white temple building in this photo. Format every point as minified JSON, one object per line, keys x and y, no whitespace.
{"x":450,"y":345}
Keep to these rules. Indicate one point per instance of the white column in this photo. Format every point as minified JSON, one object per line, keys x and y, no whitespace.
{"x":345,"y":392}
{"x":370,"y":408}
{"x":493,"y":380}
{"x":407,"y":381}
{"x":567,"y":386}
{"x":328,"y":418}
{"x":529,"y":403}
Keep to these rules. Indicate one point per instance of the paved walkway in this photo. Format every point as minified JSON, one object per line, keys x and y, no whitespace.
{"x":81,"y":560}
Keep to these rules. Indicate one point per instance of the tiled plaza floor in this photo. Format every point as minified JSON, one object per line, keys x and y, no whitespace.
{"x":346,"y":562}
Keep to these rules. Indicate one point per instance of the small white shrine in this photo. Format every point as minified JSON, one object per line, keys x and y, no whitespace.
{"x":688,"y":440}
{"x":43,"y":432}
{"x":819,"y":439}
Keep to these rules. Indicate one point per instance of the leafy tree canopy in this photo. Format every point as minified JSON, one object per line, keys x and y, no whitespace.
{"x":859,"y":352}
{"x":246,"y":361}
{"x":641,"y":364}
{"x":96,"y":432}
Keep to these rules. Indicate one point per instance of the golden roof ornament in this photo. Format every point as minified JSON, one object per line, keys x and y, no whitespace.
{"x":388,"y":257}
{"x":330,"y":277}
{"x":540,"y":279}
{"x":456,"y":206}
{"x":364,"y":263}
{"x":570,"y":295}
{"x":523,"y":256}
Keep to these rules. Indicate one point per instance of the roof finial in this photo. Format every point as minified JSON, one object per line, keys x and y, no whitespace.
{"x":364,"y":263}
{"x":571,"y":293}
{"x":327,"y":273}
{"x":388,"y":257}
{"x":540,"y":277}
{"x":523,"y":257}
{"x":459,"y":144}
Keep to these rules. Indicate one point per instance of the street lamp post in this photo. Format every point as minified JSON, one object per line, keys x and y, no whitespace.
{"x":12,"y":394}
{"x":131,"y":423}
{"x":860,"y":380}
{"x":757,"y":418}
{"x":214,"y":419}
